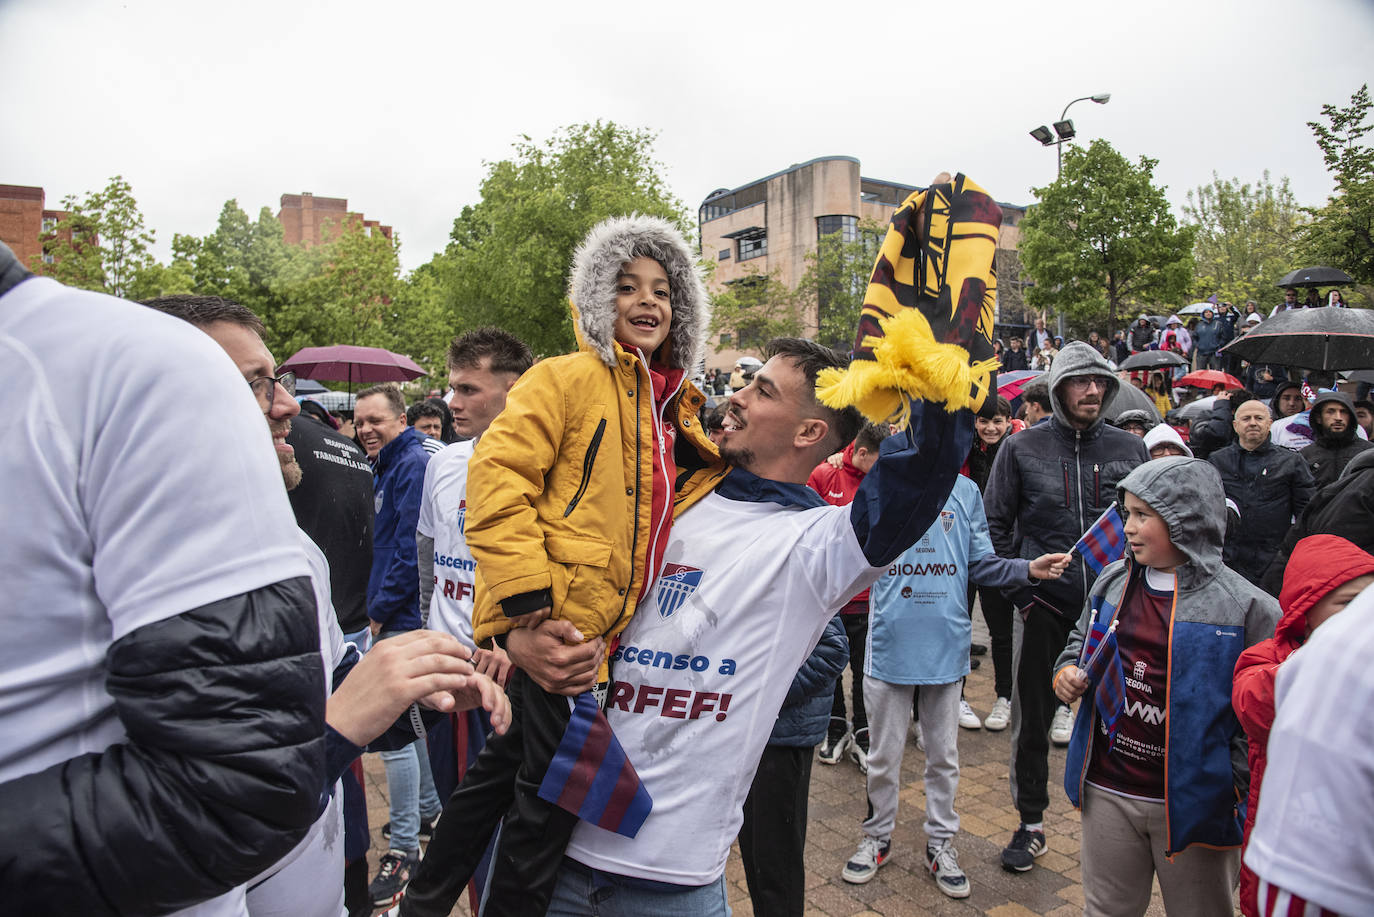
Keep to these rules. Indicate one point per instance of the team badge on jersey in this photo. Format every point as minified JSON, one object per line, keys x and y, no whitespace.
{"x":946,"y":520}
{"x":462,"y":515}
{"x":675,"y":585}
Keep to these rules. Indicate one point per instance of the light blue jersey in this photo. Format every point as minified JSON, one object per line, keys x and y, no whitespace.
{"x":919,"y":629}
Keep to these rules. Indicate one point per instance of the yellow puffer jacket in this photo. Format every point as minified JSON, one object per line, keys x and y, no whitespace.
{"x":560,"y":485}
{"x":559,"y":490}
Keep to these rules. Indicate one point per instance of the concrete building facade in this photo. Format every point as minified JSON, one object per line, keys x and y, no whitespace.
{"x":24,"y":220}
{"x":309,"y":220}
{"x":770,"y":225}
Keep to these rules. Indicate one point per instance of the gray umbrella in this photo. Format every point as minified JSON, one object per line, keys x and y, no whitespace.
{"x":1130,"y":398}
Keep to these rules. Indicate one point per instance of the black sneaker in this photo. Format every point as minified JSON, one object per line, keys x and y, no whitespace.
{"x":858,"y":749}
{"x":1025,"y":846}
{"x":426,"y":829}
{"x":978,"y":649}
{"x":392,"y":876}
{"x":836,"y":741}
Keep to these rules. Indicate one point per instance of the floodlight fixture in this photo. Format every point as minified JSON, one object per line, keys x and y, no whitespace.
{"x":1064,"y":129}
{"x":1102,"y":98}
{"x":1042,"y":133}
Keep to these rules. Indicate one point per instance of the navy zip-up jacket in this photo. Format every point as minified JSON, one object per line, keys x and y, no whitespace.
{"x":393,"y":588}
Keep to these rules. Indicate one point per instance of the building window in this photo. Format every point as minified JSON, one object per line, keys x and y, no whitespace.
{"x":49,"y":224}
{"x":48,"y":259}
{"x":724,"y":255}
{"x":1009,"y":217}
{"x":725,"y":339}
{"x":846,"y":226}
{"x":753,"y":245}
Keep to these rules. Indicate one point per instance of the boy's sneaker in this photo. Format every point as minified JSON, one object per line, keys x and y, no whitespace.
{"x":858,"y":749}
{"x":1061,"y":729}
{"x":426,"y":829}
{"x":967,"y":718}
{"x":863,"y":865}
{"x":833,"y":748}
{"x":1025,"y":846}
{"x":943,"y":861}
{"x":1000,"y":717}
{"x":978,"y":649}
{"x":918,"y":734}
{"x":392,"y":876}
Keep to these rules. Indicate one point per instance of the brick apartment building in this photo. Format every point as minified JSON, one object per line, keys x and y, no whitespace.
{"x":771,"y":224}
{"x":24,"y":220}
{"x":309,"y":220}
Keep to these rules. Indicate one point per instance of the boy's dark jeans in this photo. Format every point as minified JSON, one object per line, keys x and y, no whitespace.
{"x":1043,"y":636}
{"x":997,"y":612}
{"x":502,"y":782}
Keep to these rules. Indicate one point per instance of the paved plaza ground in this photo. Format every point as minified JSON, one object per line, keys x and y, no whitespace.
{"x":903,"y":887}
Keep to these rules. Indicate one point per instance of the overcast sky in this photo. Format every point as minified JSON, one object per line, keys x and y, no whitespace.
{"x":396,"y":105}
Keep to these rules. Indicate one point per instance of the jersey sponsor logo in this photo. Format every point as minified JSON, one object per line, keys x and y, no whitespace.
{"x":675,"y":585}
{"x":946,"y":520}
{"x":835,"y":495}
{"x":923,"y":570}
{"x":454,"y":563}
{"x":1149,"y":713}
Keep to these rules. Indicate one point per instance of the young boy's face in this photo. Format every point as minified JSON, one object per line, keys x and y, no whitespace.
{"x":1148,"y":536}
{"x":991,"y":430}
{"x":643,"y":306}
{"x":1337,"y":599}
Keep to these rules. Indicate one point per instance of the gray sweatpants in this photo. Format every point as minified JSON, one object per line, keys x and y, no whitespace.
{"x":889,"y":712}
{"x":1123,"y":850}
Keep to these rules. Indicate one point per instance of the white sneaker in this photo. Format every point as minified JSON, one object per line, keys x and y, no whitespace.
{"x":918,"y":735}
{"x":1000,"y":717}
{"x":863,"y":865}
{"x":967,"y":718}
{"x":1062,"y":727}
{"x":943,"y":862}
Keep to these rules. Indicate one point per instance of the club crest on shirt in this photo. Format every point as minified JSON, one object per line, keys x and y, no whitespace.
{"x":946,"y":520}
{"x":378,"y":500}
{"x":675,"y":585}
{"x":462,"y":515}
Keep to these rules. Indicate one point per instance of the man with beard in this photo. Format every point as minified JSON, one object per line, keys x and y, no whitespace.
{"x":1050,"y":483}
{"x":370,"y":694}
{"x":1334,"y":442}
{"x":1270,"y":486}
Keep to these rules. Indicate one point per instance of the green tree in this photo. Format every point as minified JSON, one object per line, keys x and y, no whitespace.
{"x":1341,"y":233}
{"x":507,"y":262}
{"x":1246,"y":236}
{"x":754,"y":309}
{"x":101,"y":244}
{"x":339,"y":293}
{"x":836,"y":279}
{"x":1102,"y":239}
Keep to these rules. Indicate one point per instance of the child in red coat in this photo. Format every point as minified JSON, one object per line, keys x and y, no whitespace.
{"x":1323,"y":575}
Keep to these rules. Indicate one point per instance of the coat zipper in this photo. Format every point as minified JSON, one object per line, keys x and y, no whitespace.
{"x":587,"y":462}
{"x":1078,"y":479}
{"x":634,"y":538}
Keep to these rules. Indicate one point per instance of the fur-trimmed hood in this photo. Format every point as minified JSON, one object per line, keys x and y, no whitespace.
{"x":591,"y":290}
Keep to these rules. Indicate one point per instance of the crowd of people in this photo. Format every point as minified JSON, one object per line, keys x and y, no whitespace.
{"x":519,"y":595}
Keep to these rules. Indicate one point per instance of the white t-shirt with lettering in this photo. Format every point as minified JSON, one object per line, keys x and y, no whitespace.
{"x":140,"y":483}
{"x":443,"y":513}
{"x":704,"y":666}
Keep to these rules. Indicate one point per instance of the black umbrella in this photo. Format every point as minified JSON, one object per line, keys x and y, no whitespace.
{"x":1315,"y":276}
{"x":1312,"y":339}
{"x":1152,"y":359}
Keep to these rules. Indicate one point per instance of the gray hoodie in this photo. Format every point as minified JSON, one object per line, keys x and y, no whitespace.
{"x":1051,"y":482}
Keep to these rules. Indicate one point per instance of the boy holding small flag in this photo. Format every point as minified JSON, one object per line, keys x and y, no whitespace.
{"x":1157,"y":763}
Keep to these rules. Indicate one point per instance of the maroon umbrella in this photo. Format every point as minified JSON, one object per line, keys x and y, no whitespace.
{"x":347,"y":363}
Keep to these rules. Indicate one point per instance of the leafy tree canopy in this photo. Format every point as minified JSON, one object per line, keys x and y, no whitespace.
{"x":1246,"y":238}
{"x":1102,"y":240}
{"x":508,"y":258}
{"x":101,"y":243}
{"x":1341,"y":234}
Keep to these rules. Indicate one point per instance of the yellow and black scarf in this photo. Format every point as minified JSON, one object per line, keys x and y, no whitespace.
{"x":925,"y":331}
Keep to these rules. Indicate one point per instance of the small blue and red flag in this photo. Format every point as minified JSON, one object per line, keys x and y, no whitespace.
{"x":590,"y":775}
{"x":1103,"y":670}
{"x":1104,"y":541}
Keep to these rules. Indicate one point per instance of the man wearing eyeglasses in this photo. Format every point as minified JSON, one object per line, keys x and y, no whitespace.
{"x":1049,"y":483}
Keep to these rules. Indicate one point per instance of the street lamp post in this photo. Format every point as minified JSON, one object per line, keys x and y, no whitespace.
{"x":1064,"y":129}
